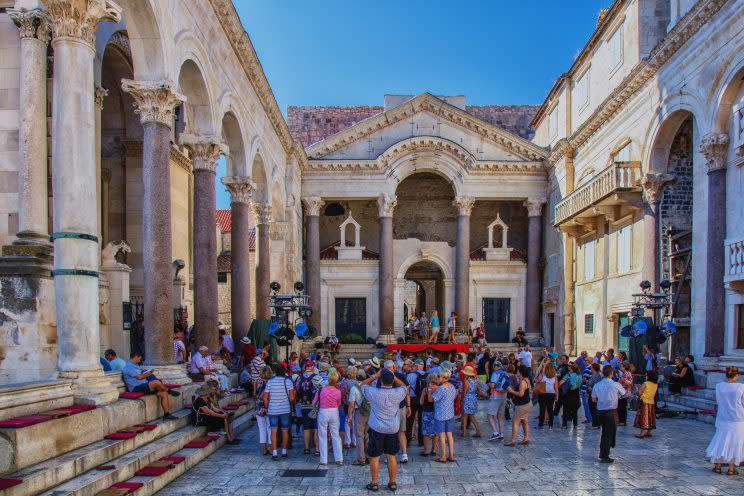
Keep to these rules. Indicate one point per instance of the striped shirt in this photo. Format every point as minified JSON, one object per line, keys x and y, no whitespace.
{"x":256,"y":366}
{"x":279,"y":389}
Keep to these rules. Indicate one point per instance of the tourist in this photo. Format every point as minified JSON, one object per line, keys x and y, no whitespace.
{"x":434,"y":326}
{"x":115,"y":363}
{"x":525,"y":355}
{"x":293,"y":361}
{"x":547,"y":395}
{"x":594,"y":378}
{"x":358,"y":410}
{"x":443,"y":394}
{"x":247,"y":352}
{"x":384,"y":424}
{"x":346,"y":384}
{"x":586,"y":374}
{"x":262,"y":415}
{"x":279,"y":395}
{"x":646,"y":416}
{"x":522,"y":405}
{"x":519,"y":339}
{"x":469,"y":401}
{"x":404,"y":411}
{"x":201,"y":366}
{"x":496,"y":403}
{"x":611,"y":360}
{"x":727,"y":445}
{"x":256,"y":366}
{"x":469,"y":331}
{"x":690,"y":360}
{"x":683,"y":376}
{"x":570,"y":396}
{"x":605,"y":394}
{"x":480,"y":334}
{"x":582,"y":360}
{"x":144,"y":381}
{"x":180,"y":355}
{"x":625,"y":378}
{"x":451,"y":327}
{"x":413,"y":373}
{"x":652,"y":359}
{"x":305,"y":389}
{"x":203,"y":413}
{"x":328,"y":399}
{"x":483,"y":368}
{"x":227,"y":346}
{"x":428,"y":430}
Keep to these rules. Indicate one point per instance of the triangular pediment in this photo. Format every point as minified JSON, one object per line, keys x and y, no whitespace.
{"x":425,"y":115}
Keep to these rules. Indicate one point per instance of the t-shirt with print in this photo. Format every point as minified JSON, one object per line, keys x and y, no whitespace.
{"x":279,"y":389}
{"x":444,"y":402}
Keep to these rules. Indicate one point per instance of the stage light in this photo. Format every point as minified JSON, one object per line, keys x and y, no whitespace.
{"x":665,"y":284}
{"x":299,"y":287}
{"x":275,"y":286}
{"x":301,"y":329}
{"x":639,"y":328}
{"x":645,"y":285}
{"x":668,"y":328}
{"x":273,"y":328}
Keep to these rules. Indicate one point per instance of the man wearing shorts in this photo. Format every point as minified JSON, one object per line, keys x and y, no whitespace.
{"x":496,"y":403}
{"x":384,"y":424}
{"x":279,"y":395}
{"x":139,"y":381}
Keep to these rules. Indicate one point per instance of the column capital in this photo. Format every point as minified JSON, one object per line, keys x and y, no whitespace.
{"x":464,"y":204}
{"x":714,"y":146}
{"x":32,"y":23}
{"x":80,"y":18}
{"x":204,"y":151}
{"x":386,"y":204}
{"x":240,"y":189}
{"x":154,"y":101}
{"x":534,"y":206}
{"x":98,"y":95}
{"x":313,"y":204}
{"x":653,"y":185}
{"x":262,"y":212}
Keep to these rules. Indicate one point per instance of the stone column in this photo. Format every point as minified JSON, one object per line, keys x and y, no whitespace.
{"x":98,"y":95}
{"x":32,"y":134}
{"x":76,"y":253}
{"x":262,"y":214}
{"x":653,"y":187}
{"x":204,"y":152}
{"x":714,"y":147}
{"x":386,"y":205}
{"x":240,"y":276}
{"x":532,"y":291}
{"x":569,"y":283}
{"x":464,"y":206}
{"x":312,"y":257}
{"x":155,"y":102}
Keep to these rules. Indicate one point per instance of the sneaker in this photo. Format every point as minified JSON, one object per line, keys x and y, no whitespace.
{"x":494,"y":436}
{"x":500,"y":436}
{"x":174,"y":393}
{"x":606,"y":460}
{"x":169,"y":416}
{"x":404,"y":458}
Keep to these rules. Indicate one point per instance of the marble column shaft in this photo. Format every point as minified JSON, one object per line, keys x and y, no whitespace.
{"x":386,"y":205}
{"x":312,"y":257}
{"x":651,"y":244}
{"x":155,"y":102}
{"x":32,"y":134}
{"x":262,"y":213}
{"x":240,"y":265}
{"x":462,"y":260}
{"x":715,"y":299}
{"x":532,"y":290}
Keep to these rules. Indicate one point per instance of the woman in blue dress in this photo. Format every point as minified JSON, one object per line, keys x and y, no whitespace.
{"x":469,"y":401}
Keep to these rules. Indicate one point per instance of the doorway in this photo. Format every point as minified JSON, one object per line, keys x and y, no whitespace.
{"x":623,"y":343}
{"x":429,"y":281}
{"x":351,"y":317}
{"x":496,"y":314}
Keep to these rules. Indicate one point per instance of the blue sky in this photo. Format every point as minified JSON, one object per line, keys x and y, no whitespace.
{"x":333,"y":52}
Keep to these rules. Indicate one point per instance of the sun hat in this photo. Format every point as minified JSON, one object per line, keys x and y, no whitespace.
{"x":246,"y":340}
{"x":352,"y":361}
{"x":418,"y":361}
{"x":469,"y":371}
{"x":375,"y":362}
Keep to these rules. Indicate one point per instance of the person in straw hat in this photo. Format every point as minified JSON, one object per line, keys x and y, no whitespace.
{"x":469,"y":400}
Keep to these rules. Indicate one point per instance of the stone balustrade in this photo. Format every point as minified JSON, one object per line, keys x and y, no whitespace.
{"x":734,"y":263}
{"x":619,"y":176}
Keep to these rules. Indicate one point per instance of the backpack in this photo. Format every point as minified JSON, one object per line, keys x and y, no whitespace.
{"x":365,"y":407}
{"x":306,"y":389}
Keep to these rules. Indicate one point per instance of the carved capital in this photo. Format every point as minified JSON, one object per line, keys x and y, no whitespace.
{"x":653,"y":185}
{"x":262,"y":213}
{"x":203,"y":151}
{"x":386,"y":205}
{"x":714,"y":147}
{"x":240,"y":189}
{"x":32,"y":23}
{"x":534,"y":206}
{"x":98,"y":95}
{"x":313,"y":204}
{"x":80,"y":18}
{"x":464,"y":204}
{"x":155,"y":101}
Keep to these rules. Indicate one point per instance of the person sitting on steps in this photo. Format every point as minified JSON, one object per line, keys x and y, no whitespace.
{"x":204,"y":413}
{"x":139,"y":381}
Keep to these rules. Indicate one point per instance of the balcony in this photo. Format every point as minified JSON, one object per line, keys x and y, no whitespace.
{"x":733,"y":277}
{"x":613,"y":193}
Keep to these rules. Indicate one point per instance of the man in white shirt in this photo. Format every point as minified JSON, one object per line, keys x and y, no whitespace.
{"x":606,"y":394}
{"x":526,"y":356}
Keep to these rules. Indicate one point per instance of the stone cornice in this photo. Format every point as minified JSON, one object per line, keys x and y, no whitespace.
{"x":179,"y":158}
{"x":419,"y":143}
{"x":80,"y":18}
{"x":690,"y":24}
{"x":246,"y":54}
{"x":429,"y":103}
{"x":478,"y":167}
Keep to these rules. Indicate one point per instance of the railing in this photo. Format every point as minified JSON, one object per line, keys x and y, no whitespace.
{"x":617,"y":176}
{"x":734,"y":261}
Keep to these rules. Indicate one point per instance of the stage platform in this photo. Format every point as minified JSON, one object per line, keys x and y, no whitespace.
{"x":418,"y":348}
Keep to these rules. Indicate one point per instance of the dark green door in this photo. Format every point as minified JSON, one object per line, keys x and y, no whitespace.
{"x":496,"y":319}
{"x":622,"y":342}
{"x":351,"y":316}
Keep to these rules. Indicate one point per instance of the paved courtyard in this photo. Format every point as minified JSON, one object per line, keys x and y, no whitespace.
{"x":556,"y":463}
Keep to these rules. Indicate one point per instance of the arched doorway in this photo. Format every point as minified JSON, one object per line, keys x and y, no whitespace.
{"x":429,"y":280}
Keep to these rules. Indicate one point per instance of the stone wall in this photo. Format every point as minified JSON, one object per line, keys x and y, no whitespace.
{"x":513,"y":118}
{"x":675,"y":209}
{"x":425,"y":209}
{"x":512,"y":213}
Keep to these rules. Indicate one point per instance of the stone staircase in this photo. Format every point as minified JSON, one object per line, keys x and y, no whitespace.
{"x":357,"y":351}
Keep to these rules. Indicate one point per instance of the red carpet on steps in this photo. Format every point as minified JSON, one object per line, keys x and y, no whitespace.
{"x":8,"y":483}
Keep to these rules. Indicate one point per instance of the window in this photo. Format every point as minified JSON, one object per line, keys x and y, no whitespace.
{"x":582,"y":90}
{"x":553,"y":123}
{"x":615,"y":49}
{"x":589,"y":323}
{"x":222,"y":277}
{"x":589,"y":259}
{"x":624,"y":249}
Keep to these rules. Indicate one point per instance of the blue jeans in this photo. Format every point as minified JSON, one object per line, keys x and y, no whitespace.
{"x":587,"y":410}
{"x":280,"y":421}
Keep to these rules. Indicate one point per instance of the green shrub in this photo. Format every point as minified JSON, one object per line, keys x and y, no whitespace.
{"x":351,"y":338}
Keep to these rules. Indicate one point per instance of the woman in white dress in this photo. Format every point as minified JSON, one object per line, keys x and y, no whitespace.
{"x":727,"y":445}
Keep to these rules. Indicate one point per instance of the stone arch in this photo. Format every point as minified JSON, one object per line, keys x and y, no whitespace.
{"x":192,"y":83}
{"x":424,"y":256}
{"x":656,"y":155}
{"x":731,"y":84}
{"x":259,"y":178}
{"x":233,"y":137}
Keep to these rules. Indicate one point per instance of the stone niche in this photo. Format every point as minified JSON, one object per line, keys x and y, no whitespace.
{"x":352,"y":252}
{"x":500,"y":253}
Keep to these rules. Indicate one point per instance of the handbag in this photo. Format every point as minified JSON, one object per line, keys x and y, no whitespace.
{"x":313,"y":413}
{"x":539,"y":389}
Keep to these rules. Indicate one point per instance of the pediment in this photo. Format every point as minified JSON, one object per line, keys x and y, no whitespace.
{"x":424,"y":117}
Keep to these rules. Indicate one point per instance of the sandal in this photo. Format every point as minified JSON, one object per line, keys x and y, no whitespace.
{"x":424,"y":453}
{"x":640,"y":436}
{"x":373,"y":486}
{"x":307,"y":451}
{"x":732,"y":472}
{"x":525,"y":442}
{"x":393,"y":486}
{"x":451,"y":460}
{"x":358,"y":463}
{"x":440,"y":460}
{"x":477,"y":435}
{"x":717,"y":470}
{"x":510,"y":444}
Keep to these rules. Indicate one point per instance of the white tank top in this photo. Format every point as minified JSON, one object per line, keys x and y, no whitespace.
{"x":549,"y":385}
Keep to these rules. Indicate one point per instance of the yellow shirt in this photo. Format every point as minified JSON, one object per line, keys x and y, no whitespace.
{"x":649,"y":391}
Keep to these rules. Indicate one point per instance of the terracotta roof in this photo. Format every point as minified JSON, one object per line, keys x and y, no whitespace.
{"x":479,"y":255}
{"x":330,"y":253}
{"x":224,"y":220}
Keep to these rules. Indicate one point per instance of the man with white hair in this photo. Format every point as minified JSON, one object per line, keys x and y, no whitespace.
{"x":201,"y":366}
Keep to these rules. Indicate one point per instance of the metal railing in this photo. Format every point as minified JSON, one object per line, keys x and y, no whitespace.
{"x":617,"y":176}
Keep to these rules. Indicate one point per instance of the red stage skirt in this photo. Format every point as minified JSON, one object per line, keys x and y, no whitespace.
{"x":416,"y":348}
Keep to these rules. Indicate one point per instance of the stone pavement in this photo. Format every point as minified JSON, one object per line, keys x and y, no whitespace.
{"x":556,"y":463}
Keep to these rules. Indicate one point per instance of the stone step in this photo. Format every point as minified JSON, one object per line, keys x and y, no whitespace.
{"x":59,"y":469}
{"x":94,"y":481}
{"x":708,"y":419}
{"x":692,"y":402}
